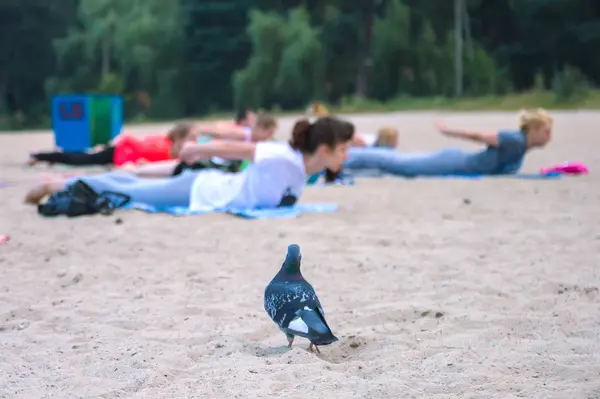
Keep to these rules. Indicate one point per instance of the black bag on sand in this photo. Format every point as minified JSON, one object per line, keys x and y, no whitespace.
{"x":80,"y":199}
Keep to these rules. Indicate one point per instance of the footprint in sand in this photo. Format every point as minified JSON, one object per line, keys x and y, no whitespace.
{"x":589,"y":291}
{"x":350,"y":348}
{"x":398,"y":316}
{"x":71,"y":281}
{"x":261,"y":334}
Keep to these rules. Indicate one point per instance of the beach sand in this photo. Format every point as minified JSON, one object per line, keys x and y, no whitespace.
{"x":437,"y":288}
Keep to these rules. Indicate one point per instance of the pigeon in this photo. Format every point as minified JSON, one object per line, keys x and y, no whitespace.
{"x":292,"y":304}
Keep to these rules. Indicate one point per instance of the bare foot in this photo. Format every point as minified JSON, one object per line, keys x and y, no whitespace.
{"x":37,"y":194}
{"x":46,"y":187}
{"x":31,"y":161}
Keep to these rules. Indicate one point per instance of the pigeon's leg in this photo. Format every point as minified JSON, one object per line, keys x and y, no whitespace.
{"x":290,"y":339}
{"x":311,"y":346}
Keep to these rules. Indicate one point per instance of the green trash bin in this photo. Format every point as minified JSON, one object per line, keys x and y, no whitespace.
{"x":101,"y":120}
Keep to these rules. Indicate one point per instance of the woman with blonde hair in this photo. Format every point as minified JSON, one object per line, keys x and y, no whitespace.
{"x":504,"y":152}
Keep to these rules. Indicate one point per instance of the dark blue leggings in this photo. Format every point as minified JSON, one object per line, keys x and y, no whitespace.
{"x":445,"y":162}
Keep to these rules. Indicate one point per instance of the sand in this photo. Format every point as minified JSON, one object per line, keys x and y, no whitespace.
{"x":436,"y":288}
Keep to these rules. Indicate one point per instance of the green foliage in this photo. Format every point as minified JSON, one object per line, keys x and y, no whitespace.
{"x":285,"y":67}
{"x":391,"y":50}
{"x":539,"y":82}
{"x":215,"y":45}
{"x":253,"y":85}
{"x":299,"y":75}
{"x":110,"y":84}
{"x":171,"y":59}
{"x":569,"y":83}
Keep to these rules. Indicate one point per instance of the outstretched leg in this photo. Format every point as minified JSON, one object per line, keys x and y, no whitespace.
{"x":156,"y":192}
{"x":104,"y":157}
{"x":50,"y":185}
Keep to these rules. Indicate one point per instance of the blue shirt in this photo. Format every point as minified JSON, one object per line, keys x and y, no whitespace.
{"x":505,"y":158}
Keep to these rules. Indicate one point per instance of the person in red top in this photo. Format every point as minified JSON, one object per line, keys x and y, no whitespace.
{"x":125,"y":149}
{"x":130,"y":149}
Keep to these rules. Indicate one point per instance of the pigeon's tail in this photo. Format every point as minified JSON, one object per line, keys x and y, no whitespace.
{"x":318,"y":330}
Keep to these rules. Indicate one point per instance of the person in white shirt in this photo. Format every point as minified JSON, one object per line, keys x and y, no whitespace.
{"x":276,"y":177}
{"x":265,"y":126}
{"x":262,"y":129}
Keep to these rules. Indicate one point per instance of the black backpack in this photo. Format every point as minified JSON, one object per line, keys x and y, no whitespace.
{"x":80,"y":199}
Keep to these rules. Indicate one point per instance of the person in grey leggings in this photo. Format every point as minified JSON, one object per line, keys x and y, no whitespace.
{"x":172,"y":191}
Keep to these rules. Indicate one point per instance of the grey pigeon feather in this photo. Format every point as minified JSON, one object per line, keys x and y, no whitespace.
{"x":292,"y":303}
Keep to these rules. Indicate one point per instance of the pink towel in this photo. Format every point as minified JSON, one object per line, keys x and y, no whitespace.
{"x":568,"y":168}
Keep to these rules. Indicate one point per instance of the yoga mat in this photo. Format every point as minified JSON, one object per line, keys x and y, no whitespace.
{"x":282,"y":212}
{"x":530,"y":176}
{"x":344,"y":179}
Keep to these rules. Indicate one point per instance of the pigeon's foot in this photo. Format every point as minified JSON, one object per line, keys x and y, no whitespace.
{"x":311,"y":346}
{"x":290,"y":339}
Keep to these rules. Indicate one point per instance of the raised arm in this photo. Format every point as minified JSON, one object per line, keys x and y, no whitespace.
{"x":152,"y":169}
{"x":489,"y":138}
{"x":358,"y":141}
{"x":230,"y":150}
{"x":222,"y":131}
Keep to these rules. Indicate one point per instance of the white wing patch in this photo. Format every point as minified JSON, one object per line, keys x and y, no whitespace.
{"x":298,"y":325}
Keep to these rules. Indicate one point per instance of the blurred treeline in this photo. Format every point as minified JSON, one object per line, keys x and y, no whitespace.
{"x":175,"y":58}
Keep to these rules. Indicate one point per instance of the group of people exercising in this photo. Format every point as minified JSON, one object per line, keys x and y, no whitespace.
{"x":241,"y":166}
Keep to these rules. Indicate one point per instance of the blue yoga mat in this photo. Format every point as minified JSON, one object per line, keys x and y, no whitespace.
{"x":282,"y":212}
{"x":348,"y":179}
{"x":531,"y":176}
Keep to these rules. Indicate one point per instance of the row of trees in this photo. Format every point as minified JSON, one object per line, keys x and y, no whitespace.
{"x":172,"y":58}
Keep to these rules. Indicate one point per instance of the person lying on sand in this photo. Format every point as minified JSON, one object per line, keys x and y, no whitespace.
{"x":386,"y":136}
{"x":264,"y":127}
{"x":503,"y":154}
{"x":125,"y":149}
{"x":247,"y":129}
{"x":276,"y":177}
